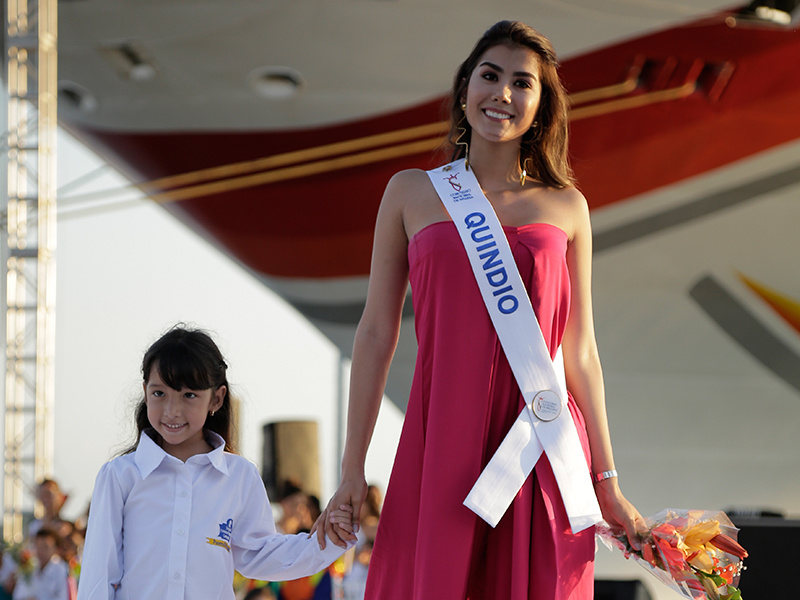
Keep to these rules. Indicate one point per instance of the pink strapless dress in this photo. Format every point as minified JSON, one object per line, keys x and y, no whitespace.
{"x":463,"y":400}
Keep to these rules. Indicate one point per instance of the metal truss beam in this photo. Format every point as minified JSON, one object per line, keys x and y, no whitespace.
{"x":28,"y":256}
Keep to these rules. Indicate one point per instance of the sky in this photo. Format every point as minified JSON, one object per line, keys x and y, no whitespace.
{"x":126,"y":272}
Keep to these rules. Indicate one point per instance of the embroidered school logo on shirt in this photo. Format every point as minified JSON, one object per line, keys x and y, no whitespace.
{"x":225,"y":531}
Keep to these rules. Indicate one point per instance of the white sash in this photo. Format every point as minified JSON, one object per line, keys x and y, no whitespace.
{"x":519,"y":333}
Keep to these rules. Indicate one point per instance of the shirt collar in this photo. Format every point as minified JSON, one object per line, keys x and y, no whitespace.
{"x":217,"y":456}
{"x":149,"y":455}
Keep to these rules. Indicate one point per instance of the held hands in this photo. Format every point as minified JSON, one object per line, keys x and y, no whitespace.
{"x":618,"y":512}
{"x":341,"y":518}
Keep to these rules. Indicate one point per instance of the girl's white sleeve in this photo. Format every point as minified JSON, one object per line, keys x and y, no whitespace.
{"x":101,"y":565}
{"x":259,"y":552}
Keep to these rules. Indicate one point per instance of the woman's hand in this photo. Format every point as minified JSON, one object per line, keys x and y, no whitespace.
{"x":340,"y":519}
{"x":618,"y":512}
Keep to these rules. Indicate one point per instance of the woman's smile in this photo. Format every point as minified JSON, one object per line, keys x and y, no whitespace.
{"x":494,"y":114}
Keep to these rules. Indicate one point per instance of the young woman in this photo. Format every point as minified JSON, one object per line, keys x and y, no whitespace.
{"x":509,"y":119}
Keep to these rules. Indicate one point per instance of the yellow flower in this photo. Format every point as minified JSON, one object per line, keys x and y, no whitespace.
{"x":695,"y":544}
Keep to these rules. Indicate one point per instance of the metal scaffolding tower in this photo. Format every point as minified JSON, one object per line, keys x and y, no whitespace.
{"x":28,"y":257}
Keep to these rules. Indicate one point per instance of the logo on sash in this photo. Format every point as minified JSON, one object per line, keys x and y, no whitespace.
{"x":546,"y":405}
{"x":453,"y":181}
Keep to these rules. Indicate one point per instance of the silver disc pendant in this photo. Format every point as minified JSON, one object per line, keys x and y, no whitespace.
{"x":546,"y":405}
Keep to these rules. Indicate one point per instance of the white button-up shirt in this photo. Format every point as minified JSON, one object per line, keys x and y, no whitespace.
{"x":49,"y":583}
{"x":163,"y":529}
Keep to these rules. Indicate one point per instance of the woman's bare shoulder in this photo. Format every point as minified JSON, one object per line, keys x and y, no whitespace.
{"x":570,"y":195}
{"x":409,"y":181}
{"x":411,"y":194}
{"x":570,"y":208}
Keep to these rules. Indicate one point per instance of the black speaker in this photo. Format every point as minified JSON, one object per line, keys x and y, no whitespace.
{"x":620,"y":590}
{"x":773,"y":545}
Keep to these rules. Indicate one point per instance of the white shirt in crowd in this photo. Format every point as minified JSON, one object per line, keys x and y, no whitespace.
{"x":7,"y":568}
{"x":49,"y":583}
{"x":162,"y":528}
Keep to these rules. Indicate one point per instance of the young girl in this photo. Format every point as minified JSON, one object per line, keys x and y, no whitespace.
{"x":178,"y":512}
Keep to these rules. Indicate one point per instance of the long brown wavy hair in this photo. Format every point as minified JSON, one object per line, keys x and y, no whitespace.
{"x":543,"y":149}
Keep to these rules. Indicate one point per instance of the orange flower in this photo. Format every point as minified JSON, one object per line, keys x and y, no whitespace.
{"x":649,"y":554}
{"x":729,"y":546}
{"x":728,"y":573}
{"x":664,"y":530}
{"x":665,"y":538}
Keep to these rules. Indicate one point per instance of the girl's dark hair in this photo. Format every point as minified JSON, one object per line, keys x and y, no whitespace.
{"x":188,"y":358}
{"x":544,"y":148}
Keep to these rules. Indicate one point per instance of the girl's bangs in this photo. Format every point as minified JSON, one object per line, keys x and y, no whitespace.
{"x":179,"y":369}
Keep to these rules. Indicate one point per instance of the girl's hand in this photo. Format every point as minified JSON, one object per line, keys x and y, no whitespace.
{"x":618,"y":512}
{"x":343,"y":518}
{"x":346,"y":500}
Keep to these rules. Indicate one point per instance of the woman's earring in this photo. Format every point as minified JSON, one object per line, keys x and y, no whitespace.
{"x":212,"y":413}
{"x":463,"y":131}
{"x":524,"y":175}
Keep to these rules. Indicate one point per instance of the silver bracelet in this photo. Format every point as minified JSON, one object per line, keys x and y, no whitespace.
{"x":605,"y":475}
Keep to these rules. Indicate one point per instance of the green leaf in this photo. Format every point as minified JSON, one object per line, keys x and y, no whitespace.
{"x":733,"y":595}
{"x":718,"y":581}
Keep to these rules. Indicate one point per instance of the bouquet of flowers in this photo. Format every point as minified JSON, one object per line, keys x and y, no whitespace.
{"x":694,"y":552}
{"x":23,"y":557}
